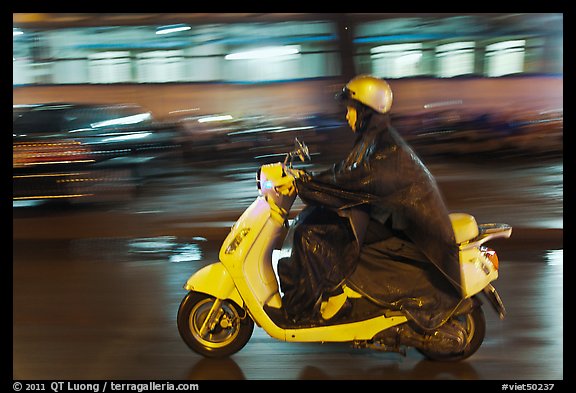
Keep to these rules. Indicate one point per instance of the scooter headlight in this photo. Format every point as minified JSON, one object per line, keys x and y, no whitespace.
{"x":263,"y":183}
{"x":267,"y":185}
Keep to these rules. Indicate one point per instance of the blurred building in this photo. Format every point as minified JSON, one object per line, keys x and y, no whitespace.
{"x":179,"y":54}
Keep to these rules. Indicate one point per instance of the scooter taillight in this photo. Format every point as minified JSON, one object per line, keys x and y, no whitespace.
{"x":491,"y":255}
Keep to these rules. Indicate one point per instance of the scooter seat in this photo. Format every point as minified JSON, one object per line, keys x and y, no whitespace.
{"x":465,"y":227}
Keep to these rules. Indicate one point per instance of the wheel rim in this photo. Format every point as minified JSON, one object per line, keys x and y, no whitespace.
{"x":469,"y":326}
{"x":225,"y":330}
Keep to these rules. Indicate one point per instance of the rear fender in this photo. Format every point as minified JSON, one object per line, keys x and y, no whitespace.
{"x":214,"y":280}
{"x":492,"y":295}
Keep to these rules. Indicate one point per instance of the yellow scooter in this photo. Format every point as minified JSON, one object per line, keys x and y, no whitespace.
{"x":216,"y":318}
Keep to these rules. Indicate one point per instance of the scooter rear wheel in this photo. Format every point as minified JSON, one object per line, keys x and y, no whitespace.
{"x":229,"y":332}
{"x":475,"y":323}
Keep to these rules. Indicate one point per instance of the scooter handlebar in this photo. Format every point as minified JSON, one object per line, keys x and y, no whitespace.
{"x":297,"y":173}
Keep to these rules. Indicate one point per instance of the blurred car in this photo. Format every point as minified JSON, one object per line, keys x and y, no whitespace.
{"x":220,"y":136}
{"x":88,"y":152}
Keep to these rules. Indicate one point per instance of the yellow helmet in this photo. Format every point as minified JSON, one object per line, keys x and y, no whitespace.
{"x":370,"y":91}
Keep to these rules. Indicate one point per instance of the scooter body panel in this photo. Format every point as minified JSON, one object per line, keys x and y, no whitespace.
{"x":246,"y":276}
{"x":214,"y":280}
{"x":362,"y":330}
{"x":247,"y":253}
{"x":246,"y":260}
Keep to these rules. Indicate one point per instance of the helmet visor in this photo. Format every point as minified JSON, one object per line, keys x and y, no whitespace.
{"x":344,"y":96}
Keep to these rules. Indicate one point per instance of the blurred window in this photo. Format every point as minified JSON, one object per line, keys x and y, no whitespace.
{"x":160,"y":66}
{"x":202,"y":53}
{"x":391,"y":47}
{"x":265,"y":63}
{"x":505,"y":58}
{"x":456,"y":58}
{"x":396,"y":60}
{"x":22,"y":60}
{"x":110,"y":67}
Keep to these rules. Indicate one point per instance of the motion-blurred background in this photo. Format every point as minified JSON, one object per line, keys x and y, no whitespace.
{"x":137,"y":137}
{"x":222,"y":84}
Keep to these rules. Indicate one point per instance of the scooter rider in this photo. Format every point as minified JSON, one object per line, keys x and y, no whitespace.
{"x":403,"y":253}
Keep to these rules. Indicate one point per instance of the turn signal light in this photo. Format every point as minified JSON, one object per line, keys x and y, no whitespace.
{"x":490,"y":254}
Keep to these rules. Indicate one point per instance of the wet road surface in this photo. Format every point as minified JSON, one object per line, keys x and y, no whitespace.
{"x":96,"y":291}
{"x":106,"y":309}
{"x":526,"y":194}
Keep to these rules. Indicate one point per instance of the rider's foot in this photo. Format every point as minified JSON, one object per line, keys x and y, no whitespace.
{"x":332,"y":306}
{"x":344,"y":312}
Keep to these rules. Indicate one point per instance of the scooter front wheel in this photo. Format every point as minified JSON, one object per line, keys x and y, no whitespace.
{"x":213,"y":327}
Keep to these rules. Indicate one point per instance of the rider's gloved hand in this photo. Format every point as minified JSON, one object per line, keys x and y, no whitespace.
{"x":301,"y":175}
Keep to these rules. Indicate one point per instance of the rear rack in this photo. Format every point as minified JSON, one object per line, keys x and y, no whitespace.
{"x":488,"y":232}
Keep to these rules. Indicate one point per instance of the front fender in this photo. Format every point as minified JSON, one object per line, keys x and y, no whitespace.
{"x":214,"y":280}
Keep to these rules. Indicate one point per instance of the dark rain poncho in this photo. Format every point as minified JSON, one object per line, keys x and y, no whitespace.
{"x":409,"y":257}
